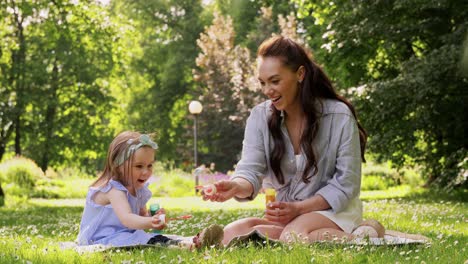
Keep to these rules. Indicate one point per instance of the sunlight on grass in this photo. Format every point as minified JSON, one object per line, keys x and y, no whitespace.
{"x":392,"y":192}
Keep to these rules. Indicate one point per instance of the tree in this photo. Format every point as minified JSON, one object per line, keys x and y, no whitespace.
{"x":403,"y":57}
{"x":226,"y":75}
{"x":13,"y":64}
{"x":162,"y":68}
{"x":60,"y":98}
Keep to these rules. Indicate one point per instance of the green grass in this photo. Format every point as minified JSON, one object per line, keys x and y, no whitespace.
{"x":30,"y":232}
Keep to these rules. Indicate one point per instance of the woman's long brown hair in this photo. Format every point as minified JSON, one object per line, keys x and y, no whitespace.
{"x":316,"y":85}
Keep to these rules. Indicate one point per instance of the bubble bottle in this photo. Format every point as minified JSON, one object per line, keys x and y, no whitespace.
{"x":154,"y":209}
{"x":270,"y":195}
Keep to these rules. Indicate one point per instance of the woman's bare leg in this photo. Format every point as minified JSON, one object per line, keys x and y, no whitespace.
{"x":312,"y":227}
{"x":246,"y":225}
{"x":270,"y":231}
{"x":329,"y":234}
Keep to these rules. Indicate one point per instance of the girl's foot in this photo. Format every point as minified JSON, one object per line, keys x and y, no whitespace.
{"x":370,"y":228}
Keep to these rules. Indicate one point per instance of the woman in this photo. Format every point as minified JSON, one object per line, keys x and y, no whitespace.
{"x":305,"y":142}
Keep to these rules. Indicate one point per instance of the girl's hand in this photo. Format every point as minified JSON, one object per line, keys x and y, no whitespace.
{"x":225,"y":190}
{"x":156,"y":222}
{"x":281,"y":212}
{"x":144,"y":212}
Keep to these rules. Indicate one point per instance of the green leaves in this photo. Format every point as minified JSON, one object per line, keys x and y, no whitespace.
{"x":55,"y":83}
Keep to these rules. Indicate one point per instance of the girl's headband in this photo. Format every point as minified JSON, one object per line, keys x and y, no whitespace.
{"x":144,"y":140}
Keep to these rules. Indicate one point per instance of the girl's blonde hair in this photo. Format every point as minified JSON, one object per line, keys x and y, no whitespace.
{"x":117,"y":149}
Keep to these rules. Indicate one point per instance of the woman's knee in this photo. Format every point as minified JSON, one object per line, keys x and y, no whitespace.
{"x":300,"y":228}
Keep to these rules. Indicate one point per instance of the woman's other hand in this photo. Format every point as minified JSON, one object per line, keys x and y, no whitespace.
{"x":281,"y":212}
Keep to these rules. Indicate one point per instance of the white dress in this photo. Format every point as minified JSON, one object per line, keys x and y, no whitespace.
{"x":349,"y":218}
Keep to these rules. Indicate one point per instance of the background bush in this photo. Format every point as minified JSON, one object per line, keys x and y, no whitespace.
{"x":22,"y":177}
{"x":19,"y":176}
{"x":381,"y":176}
{"x":173,"y":183}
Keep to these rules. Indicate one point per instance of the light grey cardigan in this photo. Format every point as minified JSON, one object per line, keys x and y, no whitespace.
{"x":337,"y":151}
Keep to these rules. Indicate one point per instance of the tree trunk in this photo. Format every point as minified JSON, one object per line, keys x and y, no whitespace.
{"x":4,"y":136}
{"x":18,"y":135}
{"x":2,"y":196}
{"x":2,"y":150}
{"x":50,"y":117}
{"x":18,"y":61}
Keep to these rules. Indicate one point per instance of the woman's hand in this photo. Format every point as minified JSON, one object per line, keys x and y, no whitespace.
{"x":281,"y":212}
{"x":225,"y":190}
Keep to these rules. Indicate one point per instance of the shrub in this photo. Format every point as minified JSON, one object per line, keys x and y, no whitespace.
{"x":49,"y":189}
{"x":376,"y":182}
{"x":175,"y":183}
{"x":381,"y":176}
{"x":69,"y":173}
{"x":20,"y":175}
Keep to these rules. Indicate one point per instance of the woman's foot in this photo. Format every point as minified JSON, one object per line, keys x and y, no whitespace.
{"x":370,"y":228}
{"x":210,"y":236}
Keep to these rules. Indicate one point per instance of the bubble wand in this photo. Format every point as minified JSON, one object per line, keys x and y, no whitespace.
{"x":154,"y":208}
{"x":208,"y":190}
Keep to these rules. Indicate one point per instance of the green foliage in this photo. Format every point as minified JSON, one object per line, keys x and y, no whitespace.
{"x":48,"y":189}
{"x":403,"y":57}
{"x":19,"y":176}
{"x":376,"y":182}
{"x":166,"y":32}
{"x":56,"y":85}
{"x":381,"y":176}
{"x":68,"y":173}
{"x":412,"y":118}
{"x":173,"y":184}
{"x":74,"y":73}
{"x":225,"y":72}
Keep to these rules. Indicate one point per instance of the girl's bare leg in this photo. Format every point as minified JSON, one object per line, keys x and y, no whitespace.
{"x":246,"y":225}
{"x":312,"y":227}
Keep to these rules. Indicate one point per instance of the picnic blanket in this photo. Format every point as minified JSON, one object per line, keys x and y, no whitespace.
{"x":391,"y":238}
{"x":73,"y":245}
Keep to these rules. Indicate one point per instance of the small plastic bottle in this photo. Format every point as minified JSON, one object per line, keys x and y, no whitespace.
{"x":154,"y":209}
{"x":270,"y":195}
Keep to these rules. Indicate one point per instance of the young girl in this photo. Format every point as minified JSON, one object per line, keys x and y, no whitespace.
{"x":115,"y":212}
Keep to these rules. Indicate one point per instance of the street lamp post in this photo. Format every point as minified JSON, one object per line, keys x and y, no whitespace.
{"x":195,"y":108}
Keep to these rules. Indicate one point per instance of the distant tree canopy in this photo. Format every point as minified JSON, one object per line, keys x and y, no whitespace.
{"x":55,"y":57}
{"x":75,"y":73}
{"x":402,"y":58}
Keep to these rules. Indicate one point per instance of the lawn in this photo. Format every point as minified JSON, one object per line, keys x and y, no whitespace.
{"x":30,"y":232}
